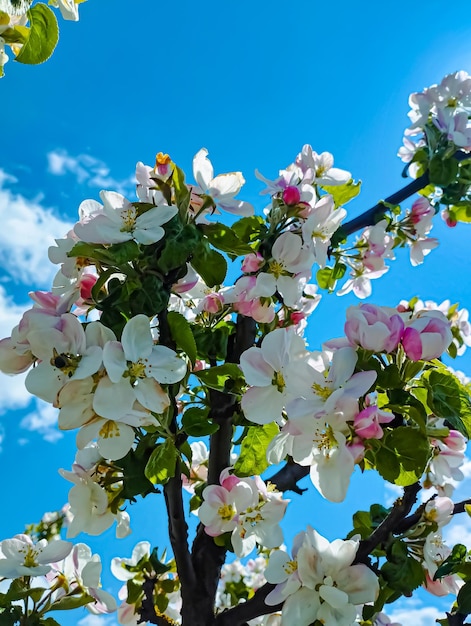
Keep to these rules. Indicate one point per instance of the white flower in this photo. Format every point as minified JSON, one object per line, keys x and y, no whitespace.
{"x":82,"y":570}
{"x":320,"y":582}
{"x":265,"y":369}
{"x":19,"y":556}
{"x":222,"y":188}
{"x":119,"y":220}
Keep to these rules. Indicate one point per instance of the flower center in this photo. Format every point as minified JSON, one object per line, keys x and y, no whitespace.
{"x":226,"y":512}
{"x":136,"y":370}
{"x":322,"y":391}
{"x":108,"y":430}
{"x":279,"y":381}
{"x":276,"y":268}
{"x":128,"y":217}
{"x":290,"y":567}
{"x":30,"y":556}
{"x":66,"y":362}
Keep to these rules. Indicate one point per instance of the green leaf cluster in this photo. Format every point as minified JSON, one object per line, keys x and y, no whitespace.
{"x":253,"y":450}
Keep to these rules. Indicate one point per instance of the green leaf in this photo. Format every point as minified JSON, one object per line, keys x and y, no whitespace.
{"x":224,"y":238}
{"x":71,"y":602}
{"x":178,"y":248}
{"x":325,"y":278}
{"x":49,"y":621}
{"x":253,"y":451}
{"x":182,"y":193}
{"x":210,"y":264}
{"x":222,"y":377}
{"x":403,"y":456}
{"x":162,"y":463}
{"x":212,"y":342}
{"x":461,"y":212}
{"x":196,"y":424}
{"x":402,"y":572}
{"x":449,"y":399}
{"x":123,"y":252}
{"x":464,"y":599}
{"x":43,"y":36}
{"x":343,"y":193}
{"x":181,"y":333}
{"x":17,"y":34}
{"x":249,"y":229}
{"x":442,"y":172}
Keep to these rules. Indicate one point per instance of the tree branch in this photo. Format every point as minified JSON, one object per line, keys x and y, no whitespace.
{"x":178,"y":534}
{"x":401,"y":509}
{"x":286,"y":478}
{"x":246,"y":611}
{"x":369,"y":217}
{"x":207,"y":557}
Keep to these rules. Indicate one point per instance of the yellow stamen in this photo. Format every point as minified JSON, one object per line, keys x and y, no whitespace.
{"x":226,"y":512}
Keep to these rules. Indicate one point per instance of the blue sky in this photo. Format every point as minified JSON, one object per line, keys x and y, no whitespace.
{"x":252,"y":82}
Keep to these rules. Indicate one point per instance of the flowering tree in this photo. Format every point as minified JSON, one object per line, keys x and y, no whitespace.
{"x":175,"y":381}
{"x":30,"y":29}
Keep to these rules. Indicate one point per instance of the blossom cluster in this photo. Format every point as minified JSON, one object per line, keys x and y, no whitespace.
{"x":247,"y":509}
{"x":64,"y":573}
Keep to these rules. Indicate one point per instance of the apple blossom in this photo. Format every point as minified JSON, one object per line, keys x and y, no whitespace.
{"x":221,"y":188}
{"x":426,"y":336}
{"x":19,"y":556}
{"x":119,"y":220}
{"x":373,"y":328}
{"x":264,"y":369}
{"x":320,"y":582}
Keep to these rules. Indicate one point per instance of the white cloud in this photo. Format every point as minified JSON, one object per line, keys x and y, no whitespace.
{"x":417,"y":611}
{"x":97,"y":620}
{"x":87,"y":169}
{"x":458,"y":531}
{"x":28,"y":229}
{"x":44,"y":421}
{"x":392,"y":493}
{"x":424,"y":616}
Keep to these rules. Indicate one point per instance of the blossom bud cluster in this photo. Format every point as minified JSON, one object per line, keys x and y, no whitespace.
{"x":447,"y":107}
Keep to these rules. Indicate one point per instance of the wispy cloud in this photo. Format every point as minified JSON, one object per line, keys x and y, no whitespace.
{"x":415,"y":611}
{"x":87,"y":170}
{"x":97,"y":620}
{"x":28,"y":229}
{"x":43,"y":420}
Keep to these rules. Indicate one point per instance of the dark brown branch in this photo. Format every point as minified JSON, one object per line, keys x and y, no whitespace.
{"x":415,"y":518}
{"x":401,"y":509}
{"x":207,"y":557}
{"x":287,"y":477}
{"x":370,"y":217}
{"x":246,"y":611}
{"x":178,"y":534}
{"x":147,"y":611}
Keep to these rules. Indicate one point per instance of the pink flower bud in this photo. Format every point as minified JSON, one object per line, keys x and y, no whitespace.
{"x":420,"y":209}
{"x":291,"y":195}
{"x":372,"y":328}
{"x":297,"y":316}
{"x":86,"y":284}
{"x":449,"y":221}
{"x":213,"y":303}
{"x":367,"y":422}
{"x":427,"y":336}
{"x":252,"y":262}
